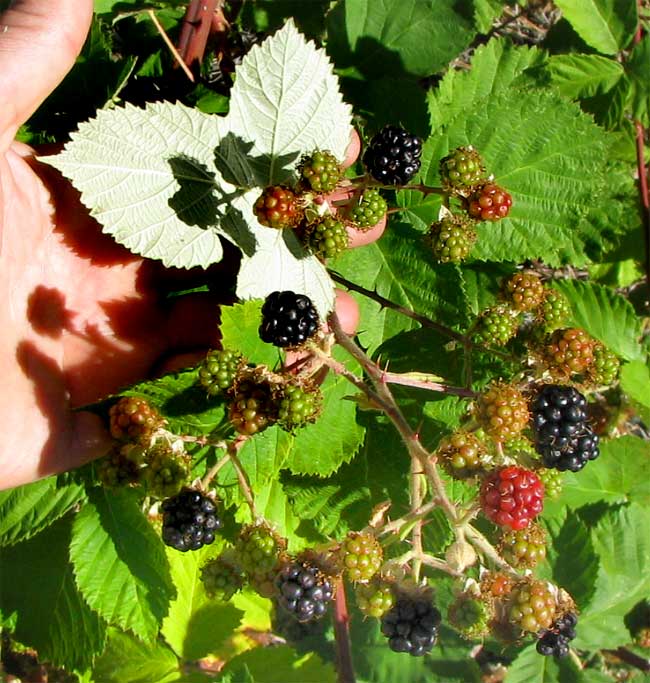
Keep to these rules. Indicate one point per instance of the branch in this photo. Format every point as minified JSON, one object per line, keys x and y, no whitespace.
{"x":195,"y":30}
{"x":630,"y":658}
{"x":244,"y":483}
{"x":488,"y":551}
{"x":419,"y":380}
{"x":344,"y":664}
{"x":179,"y":59}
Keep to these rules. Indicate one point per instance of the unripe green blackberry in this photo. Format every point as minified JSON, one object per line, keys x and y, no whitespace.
{"x":470,"y":616}
{"x":525,"y":291}
{"x":502,"y":410}
{"x":552,"y":480}
{"x":252,"y":408}
{"x":604,"y":369}
{"x":222,"y":577}
{"x":368,"y":211}
{"x":219,"y":369}
{"x":278,"y":207}
{"x":362,"y":556}
{"x":320,"y":171}
{"x":298,"y":405}
{"x":166,"y":472}
{"x":133,"y":419}
{"x":569,"y":351}
{"x":451,"y":240}
{"x":496,"y":326}
{"x":532,"y":606}
{"x":524,"y":548}
{"x":374,"y":598}
{"x":327,"y":238}
{"x":554,"y":311}
{"x":122,"y":466}
{"x":462,"y":169}
{"x":462,"y":454}
{"x":259,"y":550}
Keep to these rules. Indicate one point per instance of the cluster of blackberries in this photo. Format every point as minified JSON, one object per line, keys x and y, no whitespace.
{"x":563,"y":435}
{"x":555,"y":640}
{"x":411,"y":625}
{"x":303,"y":590}
{"x":189,"y":520}
{"x":393,"y":156}
{"x":288,"y":319}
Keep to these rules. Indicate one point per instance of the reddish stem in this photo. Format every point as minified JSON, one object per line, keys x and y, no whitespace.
{"x":197,"y":24}
{"x":344,"y":664}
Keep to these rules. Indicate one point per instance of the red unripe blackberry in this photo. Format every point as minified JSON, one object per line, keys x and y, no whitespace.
{"x":569,"y":351}
{"x":524,"y":548}
{"x":327,"y":238}
{"x":462,"y":169}
{"x":490,"y":203}
{"x":362,"y":556}
{"x":393,"y":156}
{"x":222,"y":577}
{"x":278,"y":207}
{"x":532,"y":606}
{"x":496,"y":585}
{"x":218,"y":370}
{"x":288,"y":319}
{"x":496,"y":326}
{"x":303,"y":590}
{"x":462,"y":454}
{"x":512,"y":496}
{"x":133,"y":419}
{"x":252,"y":407}
{"x":320,"y":171}
{"x":298,"y":405}
{"x":604,"y":370}
{"x":525,"y":291}
{"x":189,"y":520}
{"x":502,"y":411}
{"x":554,"y":311}
{"x":368,"y":211}
{"x":451,"y":240}
{"x":375,"y":598}
{"x":411,"y":625}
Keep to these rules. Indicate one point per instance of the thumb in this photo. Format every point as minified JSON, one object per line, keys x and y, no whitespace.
{"x":39,"y":41}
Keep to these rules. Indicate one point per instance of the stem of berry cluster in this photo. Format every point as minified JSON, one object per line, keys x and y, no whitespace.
{"x":344,"y":663}
{"x":213,"y":471}
{"x":242,"y":477}
{"x":416,"y":495}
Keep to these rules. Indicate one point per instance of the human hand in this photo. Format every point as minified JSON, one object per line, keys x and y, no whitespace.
{"x":81,"y":316}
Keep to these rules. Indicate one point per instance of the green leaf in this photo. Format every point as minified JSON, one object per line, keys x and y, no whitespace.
{"x":635,"y":380}
{"x":530,"y":667}
{"x":394,"y":37}
{"x":195,"y":625}
{"x":606,"y":25}
{"x":607,"y":316}
{"x":495,"y":67}
{"x":578,"y":76}
{"x":552,"y":169}
{"x":120,"y":564}
{"x":620,"y":474}
{"x":128,"y":659}
{"x":51,"y":616}
{"x":239,"y":328}
{"x":26,"y":510}
{"x":169,"y":182}
{"x":485,"y":12}
{"x":636,"y":67}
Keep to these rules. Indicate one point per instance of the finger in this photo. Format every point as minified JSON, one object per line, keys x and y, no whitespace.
{"x":353,"y":149}
{"x":39,"y":42}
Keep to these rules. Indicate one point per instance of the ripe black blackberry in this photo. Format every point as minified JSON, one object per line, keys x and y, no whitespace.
{"x":555,"y":640}
{"x":189,"y":520}
{"x":411,"y":625}
{"x":303,"y":590}
{"x":393,"y":156}
{"x":288,"y":319}
{"x":563,"y":436}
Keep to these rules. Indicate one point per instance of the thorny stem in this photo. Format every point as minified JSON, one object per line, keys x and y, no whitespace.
{"x":424,"y":189}
{"x":488,"y":551}
{"x":201,"y":440}
{"x":244,"y":483}
{"x":344,"y":663}
{"x":412,"y":516}
{"x":416,"y":495}
{"x":213,"y":471}
{"x":420,"y":381}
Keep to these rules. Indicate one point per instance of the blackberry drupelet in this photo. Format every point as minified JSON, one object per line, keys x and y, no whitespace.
{"x":303,"y":590}
{"x":288,"y":319}
{"x":189,"y":520}
{"x":563,"y":436}
{"x":411,"y":626}
{"x":393,"y":156}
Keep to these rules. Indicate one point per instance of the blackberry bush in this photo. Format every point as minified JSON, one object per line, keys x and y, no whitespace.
{"x":288,"y":319}
{"x":189,"y":520}
{"x":393,"y":156}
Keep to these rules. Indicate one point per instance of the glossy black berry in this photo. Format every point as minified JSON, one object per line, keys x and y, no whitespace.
{"x":393,"y":156}
{"x":411,"y":626}
{"x":555,"y":640}
{"x":303,"y":590}
{"x":288,"y":319}
{"x":563,"y":436}
{"x":189,"y":520}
